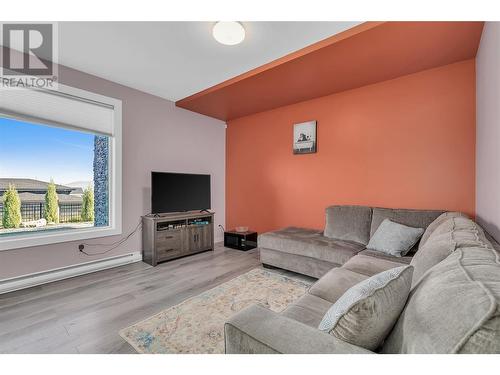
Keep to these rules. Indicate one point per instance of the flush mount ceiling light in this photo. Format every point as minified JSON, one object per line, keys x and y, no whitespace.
{"x":228,"y":33}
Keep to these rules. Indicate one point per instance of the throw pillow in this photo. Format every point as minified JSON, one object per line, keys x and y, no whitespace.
{"x":365,"y":314}
{"x":394,"y":238}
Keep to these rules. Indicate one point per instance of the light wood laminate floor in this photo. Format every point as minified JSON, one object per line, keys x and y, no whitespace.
{"x":85,"y":313}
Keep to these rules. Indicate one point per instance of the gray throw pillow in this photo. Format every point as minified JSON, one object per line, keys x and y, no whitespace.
{"x":394,"y":238}
{"x":365,"y":314}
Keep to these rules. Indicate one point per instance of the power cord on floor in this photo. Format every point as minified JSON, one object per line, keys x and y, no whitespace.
{"x":114,"y":245}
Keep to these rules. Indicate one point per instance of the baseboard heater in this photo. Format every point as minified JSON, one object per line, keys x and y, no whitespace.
{"x":44,"y":277}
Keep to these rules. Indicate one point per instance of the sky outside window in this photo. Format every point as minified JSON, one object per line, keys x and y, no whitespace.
{"x":42,"y":152}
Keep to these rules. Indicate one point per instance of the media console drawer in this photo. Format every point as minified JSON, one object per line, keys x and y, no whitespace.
{"x":166,"y":254}
{"x":169,"y":239}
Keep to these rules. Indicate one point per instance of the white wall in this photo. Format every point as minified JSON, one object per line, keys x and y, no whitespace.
{"x":488,"y":130}
{"x":156,"y":136}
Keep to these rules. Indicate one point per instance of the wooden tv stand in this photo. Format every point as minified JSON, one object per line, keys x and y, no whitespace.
{"x":170,"y":236}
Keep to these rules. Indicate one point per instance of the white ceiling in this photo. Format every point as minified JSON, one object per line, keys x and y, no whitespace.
{"x":176,"y":59}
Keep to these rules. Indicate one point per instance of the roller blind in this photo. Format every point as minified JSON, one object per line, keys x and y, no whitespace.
{"x":58,"y":108}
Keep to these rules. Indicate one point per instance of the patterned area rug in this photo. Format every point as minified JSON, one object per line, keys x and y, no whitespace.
{"x":197,"y":324}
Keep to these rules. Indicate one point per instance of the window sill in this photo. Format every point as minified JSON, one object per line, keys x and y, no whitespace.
{"x":24,"y":240}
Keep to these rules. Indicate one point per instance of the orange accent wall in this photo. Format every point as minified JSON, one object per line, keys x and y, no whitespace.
{"x":408,"y":142}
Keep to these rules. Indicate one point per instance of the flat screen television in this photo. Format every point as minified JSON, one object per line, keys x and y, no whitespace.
{"x":177,"y":192}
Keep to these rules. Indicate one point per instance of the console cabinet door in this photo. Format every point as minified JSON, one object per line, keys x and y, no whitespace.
{"x":194,"y":243}
{"x":206,"y":237}
{"x":200,"y":238}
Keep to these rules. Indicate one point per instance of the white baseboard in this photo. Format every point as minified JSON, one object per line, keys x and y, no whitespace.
{"x":27,"y":281}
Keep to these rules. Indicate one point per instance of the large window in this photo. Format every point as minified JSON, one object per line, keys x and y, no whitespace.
{"x":60,"y":171}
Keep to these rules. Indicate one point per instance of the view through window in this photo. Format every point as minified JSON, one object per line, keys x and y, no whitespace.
{"x":51,"y":178}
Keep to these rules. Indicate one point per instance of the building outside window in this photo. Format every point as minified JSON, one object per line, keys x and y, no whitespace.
{"x":32,"y":196}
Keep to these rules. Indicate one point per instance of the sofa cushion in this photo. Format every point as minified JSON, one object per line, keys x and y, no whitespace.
{"x":369,"y":265}
{"x":457,"y":231}
{"x":308,"y":309}
{"x":350,"y":223}
{"x":454,"y":306}
{"x":429,"y":255}
{"x":436,"y":223}
{"x":494,"y":242}
{"x":394,"y":238}
{"x":297,"y":263}
{"x":412,"y":218}
{"x":365,"y":314}
{"x":335,"y":283}
{"x":257,"y":330}
{"x":379,"y":255}
{"x":311,"y":243}
{"x":465,"y":232}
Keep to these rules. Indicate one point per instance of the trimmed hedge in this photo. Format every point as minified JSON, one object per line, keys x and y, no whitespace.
{"x":51,"y":204}
{"x":11,"y":217}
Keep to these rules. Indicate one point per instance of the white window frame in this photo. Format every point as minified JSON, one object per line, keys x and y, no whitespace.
{"x":30,"y":239}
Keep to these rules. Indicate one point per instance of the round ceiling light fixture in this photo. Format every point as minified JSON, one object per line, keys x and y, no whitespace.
{"x":228,"y":33}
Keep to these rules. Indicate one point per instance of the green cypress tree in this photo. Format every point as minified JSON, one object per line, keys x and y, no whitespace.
{"x":88,"y":205}
{"x":51,"y":204}
{"x":11,"y":208}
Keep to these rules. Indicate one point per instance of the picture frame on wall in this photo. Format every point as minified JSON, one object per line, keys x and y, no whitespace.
{"x":304,"y":138}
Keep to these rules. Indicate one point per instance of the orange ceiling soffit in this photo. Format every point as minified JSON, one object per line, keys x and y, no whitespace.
{"x":368,"y":53}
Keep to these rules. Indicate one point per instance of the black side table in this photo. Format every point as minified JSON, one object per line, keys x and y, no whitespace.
{"x":240,"y":240}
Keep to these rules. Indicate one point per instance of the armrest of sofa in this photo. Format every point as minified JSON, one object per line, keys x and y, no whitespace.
{"x":260,"y":330}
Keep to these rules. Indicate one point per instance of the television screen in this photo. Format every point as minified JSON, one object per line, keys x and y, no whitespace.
{"x":177,"y":192}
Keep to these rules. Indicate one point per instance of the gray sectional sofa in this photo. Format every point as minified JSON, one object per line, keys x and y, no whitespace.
{"x":453,"y":305}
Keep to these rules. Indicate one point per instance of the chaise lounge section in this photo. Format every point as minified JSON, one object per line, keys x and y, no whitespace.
{"x":347,"y":232}
{"x":453,"y":305}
